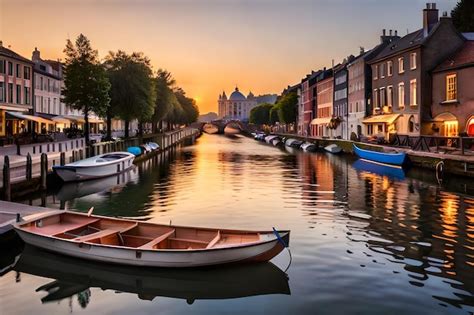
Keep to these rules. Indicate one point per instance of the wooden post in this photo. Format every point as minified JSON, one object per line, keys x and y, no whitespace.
{"x":6,"y":179}
{"x":44,"y":171}
{"x":62,"y":158}
{"x":29,"y":167}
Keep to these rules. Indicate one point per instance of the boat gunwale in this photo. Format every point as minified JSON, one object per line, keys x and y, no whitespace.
{"x":72,"y":165}
{"x":381,"y":153}
{"x":18,"y":226}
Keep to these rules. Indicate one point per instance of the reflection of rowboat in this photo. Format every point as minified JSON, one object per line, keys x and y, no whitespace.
{"x":95,"y":167}
{"x":137,"y":243}
{"x":396,"y":159}
{"x":74,"y":276}
{"x":379,"y":169}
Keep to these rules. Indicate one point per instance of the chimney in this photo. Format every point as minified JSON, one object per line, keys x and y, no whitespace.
{"x":396,"y":33}
{"x":430,"y":18}
{"x":390,"y":32}
{"x":384,"y":32}
{"x":36,"y":55}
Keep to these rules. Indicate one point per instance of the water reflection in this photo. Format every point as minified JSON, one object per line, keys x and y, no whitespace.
{"x":364,"y":239}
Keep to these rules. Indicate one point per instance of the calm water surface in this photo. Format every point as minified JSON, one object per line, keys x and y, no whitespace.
{"x":365,"y":239}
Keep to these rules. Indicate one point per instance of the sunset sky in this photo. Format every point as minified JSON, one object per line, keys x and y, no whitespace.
{"x":212,"y":45}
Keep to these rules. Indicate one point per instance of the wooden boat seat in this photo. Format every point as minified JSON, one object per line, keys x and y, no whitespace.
{"x":104,"y":233}
{"x":55,"y":229}
{"x":159,"y":239}
{"x":214,"y":240}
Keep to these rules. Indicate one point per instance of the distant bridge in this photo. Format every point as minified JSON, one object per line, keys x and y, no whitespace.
{"x":218,"y":126}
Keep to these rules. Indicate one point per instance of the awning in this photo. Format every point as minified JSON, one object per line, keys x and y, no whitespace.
{"x":77,"y":119}
{"x":321,"y":121}
{"x":37,"y":119}
{"x":19,"y":108}
{"x":60,"y":119}
{"x":94,"y":120}
{"x":378,"y":119}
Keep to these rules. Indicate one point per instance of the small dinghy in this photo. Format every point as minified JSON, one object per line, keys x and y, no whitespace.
{"x":309,"y":147}
{"x":260,"y":137}
{"x":268,"y":139}
{"x":333,"y":148}
{"x":138,"y":243}
{"x":395,"y":159}
{"x":277,"y":142}
{"x":145,"y":148}
{"x":134,"y":150}
{"x":95,"y":167}
{"x":293,"y":143}
{"x":153,"y":145}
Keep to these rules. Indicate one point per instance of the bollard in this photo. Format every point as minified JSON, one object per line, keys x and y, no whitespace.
{"x":29,"y":167}
{"x":7,"y":189}
{"x":44,"y":171}
{"x":62,"y":158}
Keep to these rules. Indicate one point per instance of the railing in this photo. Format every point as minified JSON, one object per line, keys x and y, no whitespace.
{"x":463,"y":145}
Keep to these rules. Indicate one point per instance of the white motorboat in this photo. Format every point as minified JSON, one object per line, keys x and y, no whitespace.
{"x":277,"y":141}
{"x":268,"y":139}
{"x":293,"y":143}
{"x":153,"y":145}
{"x":95,"y":167}
{"x":333,"y":148}
{"x":309,"y":147}
{"x":137,"y":243}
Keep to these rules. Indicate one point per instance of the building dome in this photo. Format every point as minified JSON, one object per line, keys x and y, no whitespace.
{"x":237,"y":96}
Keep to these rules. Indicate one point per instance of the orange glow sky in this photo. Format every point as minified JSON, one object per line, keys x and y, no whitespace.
{"x":211,"y":45}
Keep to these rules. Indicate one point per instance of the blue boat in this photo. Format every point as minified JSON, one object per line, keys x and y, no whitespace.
{"x":379,"y":169}
{"x":135,"y":150}
{"x":393,"y":159}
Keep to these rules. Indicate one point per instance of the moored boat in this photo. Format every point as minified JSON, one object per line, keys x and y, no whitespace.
{"x":98,"y":166}
{"x":333,"y":148}
{"x":392,"y":158}
{"x":134,"y":150}
{"x":268,"y":139}
{"x":309,"y":147}
{"x":153,"y":145}
{"x":137,"y":243}
{"x":293,"y":143}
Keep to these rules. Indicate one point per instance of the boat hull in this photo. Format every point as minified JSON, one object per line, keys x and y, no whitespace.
{"x":77,"y":173}
{"x":333,"y":148}
{"x":396,"y":159}
{"x":258,"y":252}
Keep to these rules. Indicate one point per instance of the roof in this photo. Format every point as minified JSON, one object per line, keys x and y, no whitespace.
{"x":10,"y":53}
{"x":411,"y":40}
{"x":464,"y":57}
{"x":237,"y":96}
{"x":386,"y":118}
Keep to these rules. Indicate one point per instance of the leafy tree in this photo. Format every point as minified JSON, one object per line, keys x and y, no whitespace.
{"x":260,"y":115}
{"x":133,"y":92}
{"x":463,"y":16}
{"x":165,"y":98}
{"x":274,"y":115}
{"x":288,"y":108}
{"x":190,"y":111}
{"x":86,"y":86}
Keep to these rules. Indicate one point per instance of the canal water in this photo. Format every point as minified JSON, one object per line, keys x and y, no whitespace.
{"x":364,"y":239}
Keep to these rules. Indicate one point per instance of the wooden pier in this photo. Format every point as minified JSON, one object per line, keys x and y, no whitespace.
{"x":10,"y":210}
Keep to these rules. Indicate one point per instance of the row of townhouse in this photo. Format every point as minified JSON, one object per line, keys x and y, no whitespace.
{"x":30,"y":98}
{"x":418,"y":84}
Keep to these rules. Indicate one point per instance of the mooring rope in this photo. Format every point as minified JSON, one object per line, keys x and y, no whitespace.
{"x":439,"y":171}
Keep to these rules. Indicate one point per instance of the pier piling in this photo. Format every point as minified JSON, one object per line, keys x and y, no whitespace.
{"x":6,"y":179}
{"x":44,"y":171}
{"x":29,"y":167}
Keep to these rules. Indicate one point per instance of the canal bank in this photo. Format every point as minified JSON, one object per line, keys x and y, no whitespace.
{"x":33,"y":174}
{"x":452,"y":164}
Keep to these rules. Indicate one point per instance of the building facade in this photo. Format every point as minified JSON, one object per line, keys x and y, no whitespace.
{"x":324,"y":111}
{"x":452,"y":108}
{"x":236,"y":107}
{"x":401,"y":82}
{"x":16,"y":95}
{"x":341,"y":110}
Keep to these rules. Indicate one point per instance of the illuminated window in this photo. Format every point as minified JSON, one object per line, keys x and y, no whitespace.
{"x":413,"y":92}
{"x":389,"y":68}
{"x":451,"y":87}
{"x":413,"y":61}
{"x":401,"y":65}
{"x":390,"y":96}
{"x":401,"y":95}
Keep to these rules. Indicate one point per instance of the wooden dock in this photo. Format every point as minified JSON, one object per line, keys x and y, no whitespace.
{"x":9,"y":211}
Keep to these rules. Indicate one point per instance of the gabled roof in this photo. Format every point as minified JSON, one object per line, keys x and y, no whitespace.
{"x":11,"y":54}
{"x":409,"y":41}
{"x":464,"y":57}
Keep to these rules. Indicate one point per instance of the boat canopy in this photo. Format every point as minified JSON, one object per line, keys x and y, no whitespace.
{"x":377,"y":119}
{"x":21,"y":116}
{"x":321,"y":121}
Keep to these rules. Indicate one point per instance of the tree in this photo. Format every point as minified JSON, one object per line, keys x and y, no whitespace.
{"x":190,"y":111}
{"x":463,"y":16}
{"x":165,"y":98}
{"x":86,"y":86}
{"x":274,"y":115}
{"x":288,"y":108}
{"x":133,"y":91}
{"x":260,"y":115}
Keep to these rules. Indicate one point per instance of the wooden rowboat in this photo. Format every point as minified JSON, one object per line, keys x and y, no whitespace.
{"x":136,"y":243}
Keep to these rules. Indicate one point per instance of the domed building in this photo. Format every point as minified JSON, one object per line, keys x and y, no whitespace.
{"x":237,"y":106}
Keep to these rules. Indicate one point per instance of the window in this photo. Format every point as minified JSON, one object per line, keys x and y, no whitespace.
{"x":413,"y":61}
{"x":376,"y":98}
{"x":27,"y":73}
{"x":411,"y":124}
{"x":18,"y":94}
{"x":382,"y":70}
{"x":27,"y":95}
{"x":2,"y":92}
{"x":49,"y":88}
{"x":2,"y":66}
{"x":389,"y":68}
{"x":10,"y":68}
{"x":390,"y":96}
{"x":401,"y":65}
{"x":41,"y":83}
{"x":376,"y":72}
{"x":10,"y":92}
{"x":451,"y":87}
{"x":413,"y":92}
{"x":401,"y":95}
{"x":18,"y":70}
{"x":382,"y":100}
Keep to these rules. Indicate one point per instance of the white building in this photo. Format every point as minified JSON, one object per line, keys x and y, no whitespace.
{"x":237,"y":106}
